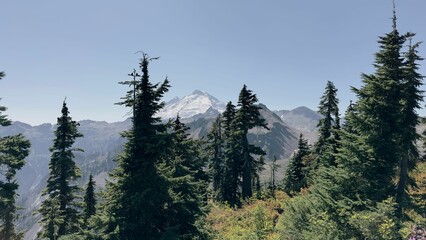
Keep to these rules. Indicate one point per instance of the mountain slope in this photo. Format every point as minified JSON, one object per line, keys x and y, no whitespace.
{"x":279,"y":141}
{"x":303,"y":120}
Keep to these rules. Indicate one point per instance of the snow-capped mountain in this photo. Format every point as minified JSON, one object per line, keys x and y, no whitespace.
{"x":198,"y":102}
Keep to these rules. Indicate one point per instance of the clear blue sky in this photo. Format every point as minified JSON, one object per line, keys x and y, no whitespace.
{"x":285,"y":51}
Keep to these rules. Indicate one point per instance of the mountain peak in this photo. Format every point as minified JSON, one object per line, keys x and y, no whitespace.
{"x":199,"y":92}
{"x":198,"y":102}
{"x":307,"y":112}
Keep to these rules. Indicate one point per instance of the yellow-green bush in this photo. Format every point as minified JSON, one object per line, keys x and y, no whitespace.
{"x":254,"y":221}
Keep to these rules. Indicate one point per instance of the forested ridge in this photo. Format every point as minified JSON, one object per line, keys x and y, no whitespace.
{"x":364,"y":178}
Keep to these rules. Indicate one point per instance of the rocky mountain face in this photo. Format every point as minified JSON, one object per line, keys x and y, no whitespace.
{"x":303,"y":120}
{"x":102,"y":142}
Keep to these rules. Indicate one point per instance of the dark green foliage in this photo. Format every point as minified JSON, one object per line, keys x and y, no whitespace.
{"x":183,"y":168}
{"x":215,"y":148}
{"x":295,"y":175}
{"x":411,"y":98}
{"x":379,"y":113}
{"x":52,"y":218}
{"x":329,"y":125}
{"x":246,"y":118}
{"x":350,"y":119}
{"x":356,"y":198}
{"x":323,"y":153}
{"x":13,"y":151}
{"x":89,"y":199}
{"x":63,"y":171}
{"x":232,"y":168}
{"x":240,"y":169}
{"x":139,"y":197}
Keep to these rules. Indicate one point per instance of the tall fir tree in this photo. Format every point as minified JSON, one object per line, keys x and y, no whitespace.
{"x":89,"y":199}
{"x":295,"y":176}
{"x":379,"y":113}
{"x":139,"y":196}
{"x":184,"y":170}
{"x":215,"y":148}
{"x":411,"y":98}
{"x":246,"y":118}
{"x":329,"y":125}
{"x":13,"y":151}
{"x":63,"y":171}
{"x":232,"y":167}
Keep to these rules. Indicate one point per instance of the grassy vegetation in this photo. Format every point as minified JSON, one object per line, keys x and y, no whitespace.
{"x":257,"y":219}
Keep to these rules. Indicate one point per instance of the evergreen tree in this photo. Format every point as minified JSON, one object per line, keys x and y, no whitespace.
{"x":13,"y":151}
{"x":329,"y":125}
{"x":294,"y":178}
{"x":377,"y":139}
{"x":187,"y":184}
{"x":411,"y":98}
{"x":379,"y":113}
{"x":63,"y":171}
{"x":232,"y":168}
{"x":51,"y":217}
{"x":350,"y":124}
{"x":215,"y":150}
{"x":89,"y":199}
{"x":138,"y":199}
{"x":246,"y":118}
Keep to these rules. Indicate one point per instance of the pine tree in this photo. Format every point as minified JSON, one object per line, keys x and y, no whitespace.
{"x":246,"y":118}
{"x":89,"y":199}
{"x":139,"y":195}
{"x":13,"y":151}
{"x":63,"y":170}
{"x":294,"y":178}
